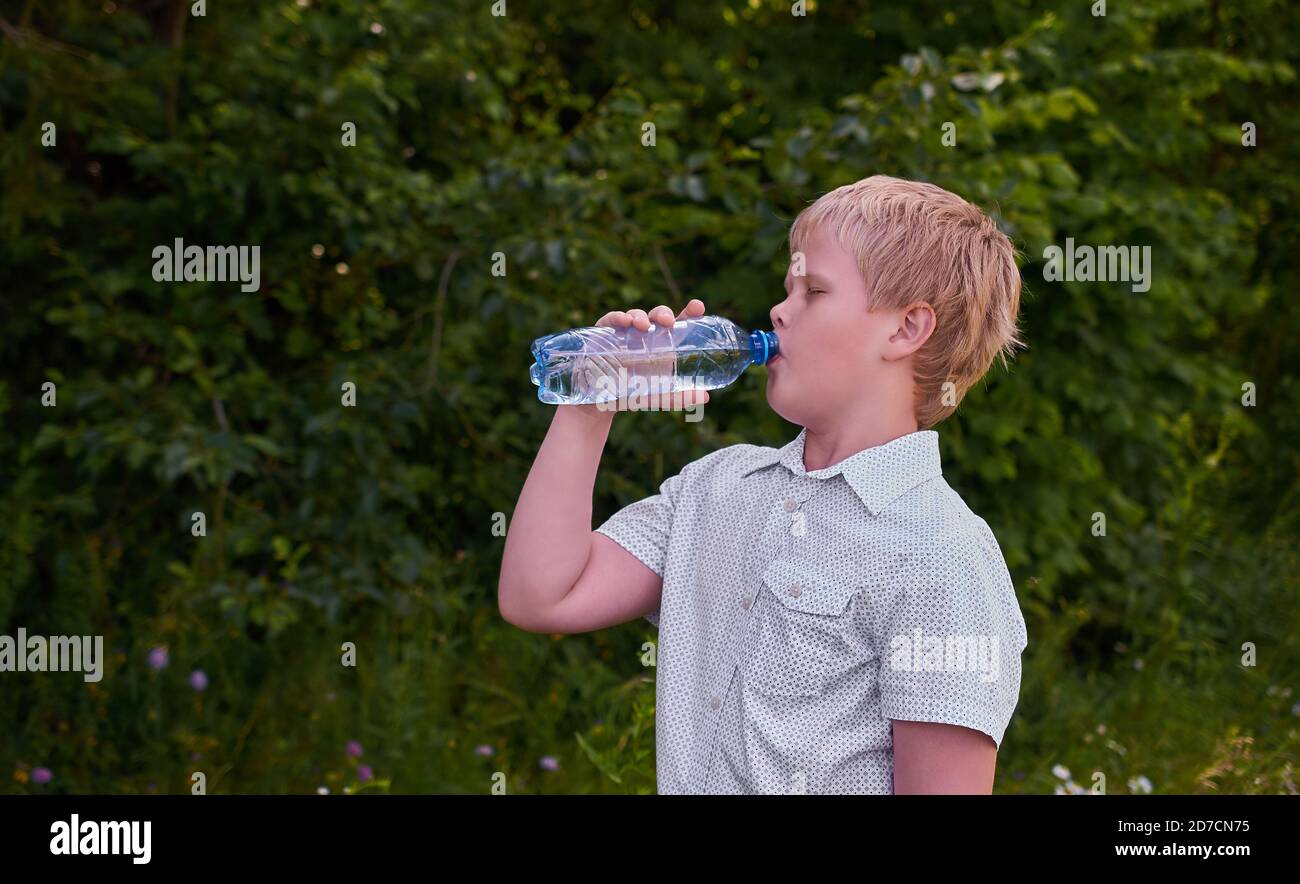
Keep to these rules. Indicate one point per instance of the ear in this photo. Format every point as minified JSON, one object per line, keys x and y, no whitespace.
{"x":916,"y":322}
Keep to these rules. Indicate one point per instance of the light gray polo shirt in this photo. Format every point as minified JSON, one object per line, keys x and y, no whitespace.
{"x":802,"y":611}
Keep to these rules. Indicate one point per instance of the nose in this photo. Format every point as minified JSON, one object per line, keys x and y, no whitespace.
{"x":777,"y":314}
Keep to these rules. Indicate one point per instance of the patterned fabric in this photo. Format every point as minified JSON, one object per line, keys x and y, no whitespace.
{"x":802,"y":611}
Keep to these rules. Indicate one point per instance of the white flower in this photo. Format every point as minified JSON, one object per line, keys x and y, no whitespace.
{"x":1139,"y":784}
{"x":322,"y":790}
{"x":1061,"y":772}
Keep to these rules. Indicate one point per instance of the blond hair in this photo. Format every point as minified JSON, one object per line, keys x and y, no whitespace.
{"x":917,"y":242}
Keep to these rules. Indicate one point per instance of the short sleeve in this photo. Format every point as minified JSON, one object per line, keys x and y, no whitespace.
{"x":952,"y":636}
{"x":643,"y":528}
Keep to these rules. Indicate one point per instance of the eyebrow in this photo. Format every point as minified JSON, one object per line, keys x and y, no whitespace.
{"x":810,"y":277}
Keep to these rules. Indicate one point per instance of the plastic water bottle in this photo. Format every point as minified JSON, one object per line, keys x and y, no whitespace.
{"x":584,"y":366}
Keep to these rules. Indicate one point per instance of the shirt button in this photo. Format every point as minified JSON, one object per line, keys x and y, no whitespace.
{"x":791,"y":504}
{"x":745,"y":602}
{"x":795,"y":589}
{"x":715,"y":702}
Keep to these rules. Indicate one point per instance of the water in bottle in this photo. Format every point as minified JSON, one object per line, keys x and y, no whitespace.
{"x":584,"y":366}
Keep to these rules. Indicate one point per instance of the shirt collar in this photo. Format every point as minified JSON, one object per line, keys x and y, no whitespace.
{"x":879,"y":475}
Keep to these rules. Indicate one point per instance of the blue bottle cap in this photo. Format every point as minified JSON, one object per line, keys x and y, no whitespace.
{"x":765,"y":345}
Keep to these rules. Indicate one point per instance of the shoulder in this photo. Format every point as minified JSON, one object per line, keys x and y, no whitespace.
{"x":719,"y":473}
{"x":730,"y":461}
{"x":957,"y":560}
{"x":951,"y":529}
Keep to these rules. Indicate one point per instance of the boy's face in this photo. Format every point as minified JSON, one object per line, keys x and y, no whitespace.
{"x":831,"y":346}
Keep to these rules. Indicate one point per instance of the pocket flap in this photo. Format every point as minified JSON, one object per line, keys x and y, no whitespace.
{"x":800,"y":587}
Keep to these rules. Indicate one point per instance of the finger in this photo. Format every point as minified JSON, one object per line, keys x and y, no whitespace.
{"x":682,"y":400}
{"x":640,"y":319}
{"x":694,"y":308}
{"x":614,"y":319}
{"x":662,"y":315}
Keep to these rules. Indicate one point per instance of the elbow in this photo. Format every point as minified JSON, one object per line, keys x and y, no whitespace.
{"x":507,"y":604}
{"x":513,"y":609}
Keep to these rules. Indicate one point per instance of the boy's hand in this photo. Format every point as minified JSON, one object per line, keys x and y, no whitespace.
{"x":661,"y":316}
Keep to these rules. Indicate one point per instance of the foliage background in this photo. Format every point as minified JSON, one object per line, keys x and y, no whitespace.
{"x":521,"y":134}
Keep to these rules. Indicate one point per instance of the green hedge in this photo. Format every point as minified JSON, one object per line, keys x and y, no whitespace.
{"x":522,"y":135}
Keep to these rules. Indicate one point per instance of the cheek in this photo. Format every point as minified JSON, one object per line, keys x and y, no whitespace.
{"x":839,"y":350}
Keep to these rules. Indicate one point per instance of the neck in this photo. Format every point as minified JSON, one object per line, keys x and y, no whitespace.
{"x":829,"y":441}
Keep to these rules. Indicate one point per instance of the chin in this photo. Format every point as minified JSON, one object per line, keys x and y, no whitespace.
{"x":780,"y":404}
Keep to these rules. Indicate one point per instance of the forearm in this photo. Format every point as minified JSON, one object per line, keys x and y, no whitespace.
{"x":549,"y":537}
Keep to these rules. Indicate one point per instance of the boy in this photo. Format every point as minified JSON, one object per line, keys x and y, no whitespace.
{"x":832,"y":617}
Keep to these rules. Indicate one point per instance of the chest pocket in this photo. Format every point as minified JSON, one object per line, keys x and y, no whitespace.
{"x":800,"y":639}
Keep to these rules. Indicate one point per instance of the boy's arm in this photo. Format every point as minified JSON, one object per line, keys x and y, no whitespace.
{"x":942,"y":759}
{"x":557,"y":574}
{"x":948,"y":723}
